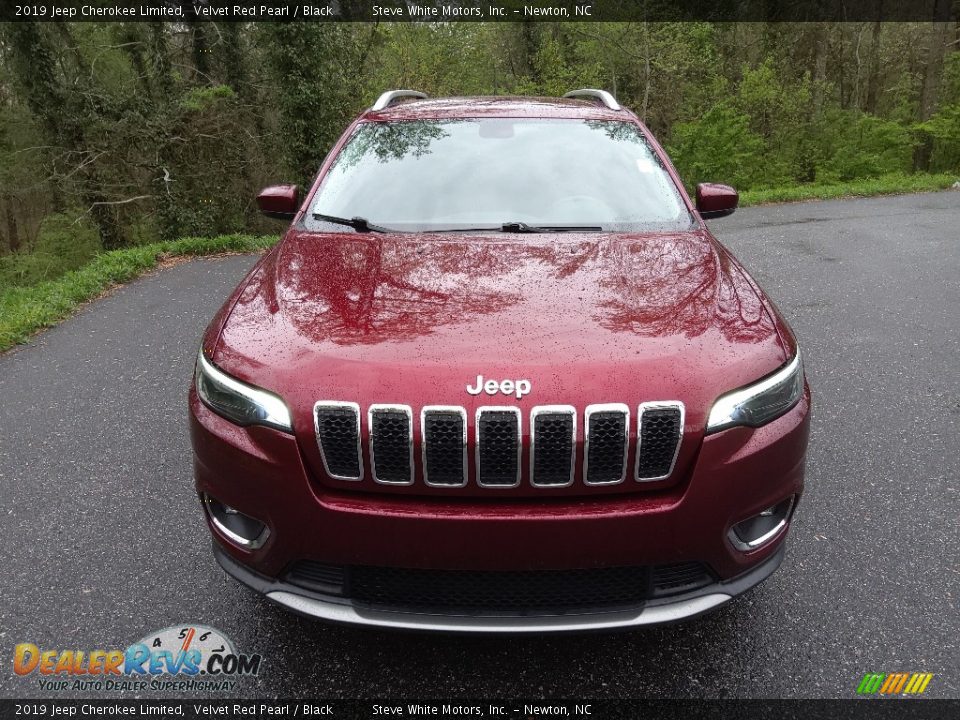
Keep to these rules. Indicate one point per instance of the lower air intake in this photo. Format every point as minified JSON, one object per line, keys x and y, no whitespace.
{"x":326,"y":579}
{"x":500,"y":591}
{"x":679,"y":578}
{"x":479,"y":591}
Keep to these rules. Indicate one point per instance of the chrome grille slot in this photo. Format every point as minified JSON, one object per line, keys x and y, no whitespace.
{"x":337,"y":426}
{"x":606,"y":436}
{"x":553,"y":439}
{"x":391,"y":444}
{"x":658,"y":439}
{"x":498,"y":446}
{"x":443,"y":433}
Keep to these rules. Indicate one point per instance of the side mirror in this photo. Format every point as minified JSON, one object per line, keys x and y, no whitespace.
{"x":716,"y":201}
{"x":279,"y":202}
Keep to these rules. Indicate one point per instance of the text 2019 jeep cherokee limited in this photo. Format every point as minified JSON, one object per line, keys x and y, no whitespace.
{"x":499,"y":376}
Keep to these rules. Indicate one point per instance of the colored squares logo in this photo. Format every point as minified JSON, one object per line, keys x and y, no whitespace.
{"x":894,"y":683}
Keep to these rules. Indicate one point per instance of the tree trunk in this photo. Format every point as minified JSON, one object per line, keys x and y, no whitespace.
{"x":820,"y":49}
{"x":940,"y":31}
{"x":842,"y":68}
{"x":13,"y":229}
{"x":201,"y":57}
{"x":530,"y":47}
{"x":873,"y":68}
{"x":233,"y":57}
{"x":160,"y":60}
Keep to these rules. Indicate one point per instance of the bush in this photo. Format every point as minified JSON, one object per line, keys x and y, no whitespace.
{"x":719,"y":147}
{"x":65,"y":242}
{"x":945,"y":129}
{"x":203,"y":98}
{"x":859,"y":146}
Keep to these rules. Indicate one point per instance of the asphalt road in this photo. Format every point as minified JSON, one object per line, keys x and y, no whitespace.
{"x":103,"y":540}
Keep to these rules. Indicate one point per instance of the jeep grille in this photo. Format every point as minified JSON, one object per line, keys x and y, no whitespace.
{"x":497,"y":452}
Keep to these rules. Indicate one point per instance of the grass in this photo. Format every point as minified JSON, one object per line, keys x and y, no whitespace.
{"x":25,"y":310}
{"x":883,"y":185}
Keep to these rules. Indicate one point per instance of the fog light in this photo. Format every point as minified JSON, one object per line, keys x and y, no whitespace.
{"x":241,"y":529}
{"x":753,"y":532}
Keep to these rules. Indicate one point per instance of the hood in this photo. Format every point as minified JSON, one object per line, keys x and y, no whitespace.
{"x":585,"y":318}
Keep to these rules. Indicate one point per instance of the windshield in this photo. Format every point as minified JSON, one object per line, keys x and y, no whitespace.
{"x":433,"y":175}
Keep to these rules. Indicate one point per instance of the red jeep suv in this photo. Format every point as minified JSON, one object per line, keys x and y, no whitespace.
{"x":499,"y":376}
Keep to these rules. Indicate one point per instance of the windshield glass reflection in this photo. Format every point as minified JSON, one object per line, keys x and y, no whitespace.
{"x":427,"y":175}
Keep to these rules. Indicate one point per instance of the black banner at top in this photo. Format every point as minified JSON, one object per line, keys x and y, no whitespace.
{"x":478,"y":10}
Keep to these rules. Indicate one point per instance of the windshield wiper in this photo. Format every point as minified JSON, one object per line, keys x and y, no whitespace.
{"x":361,"y":225}
{"x":519,"y":227}
{"x":522,"y":227}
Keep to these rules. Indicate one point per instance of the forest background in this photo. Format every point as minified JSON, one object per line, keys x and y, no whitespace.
{"x":137,"y":135}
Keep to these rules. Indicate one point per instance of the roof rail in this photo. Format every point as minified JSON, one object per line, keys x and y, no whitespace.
{"x":602,"y":95}
{"x":388,"y":97}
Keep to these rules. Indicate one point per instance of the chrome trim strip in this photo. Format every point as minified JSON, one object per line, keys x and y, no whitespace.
{"x":348,"y":613}
{"x":423,"y":441}
{"x":476,"y":450}
{"x":602,"y":95}
{"x":406,"y":410}
{"x":658,"y":405}
{"x":387,"y":98}
{"x":766,"y":537}
{"x":605,"y":407}
{"x":240,"y":540}
{"x":553,"y":410}
{"x":316,"y":429}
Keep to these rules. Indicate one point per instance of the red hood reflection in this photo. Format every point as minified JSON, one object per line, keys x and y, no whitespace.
{"x":587,"y":318}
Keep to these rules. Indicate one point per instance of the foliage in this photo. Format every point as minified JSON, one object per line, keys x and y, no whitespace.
{"x":24,"y":310}
{"x":718,"y":145}
{"x":944,"y":126}
{"x":203,"y":98}
{"x":65,"y":242}
{"x":859,"y":146}
{"x":894,"y":184}
{"x":316,"y":69}
{"x":153,"y":131}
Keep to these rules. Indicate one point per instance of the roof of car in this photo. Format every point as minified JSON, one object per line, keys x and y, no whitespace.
{"x":497,"y":106}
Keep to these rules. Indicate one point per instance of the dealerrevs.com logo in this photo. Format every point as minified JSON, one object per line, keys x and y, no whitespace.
{"x":179,"y":658}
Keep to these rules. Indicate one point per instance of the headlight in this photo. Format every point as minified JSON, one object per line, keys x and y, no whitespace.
{"x":237,"y":401}
{"x":758,"y":404}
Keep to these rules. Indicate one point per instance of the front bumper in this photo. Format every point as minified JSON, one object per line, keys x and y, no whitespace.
{"x":737,"y":473}
{"x":653,"y":612}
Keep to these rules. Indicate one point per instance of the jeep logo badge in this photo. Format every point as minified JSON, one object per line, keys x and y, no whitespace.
{"x":507,"y":387}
